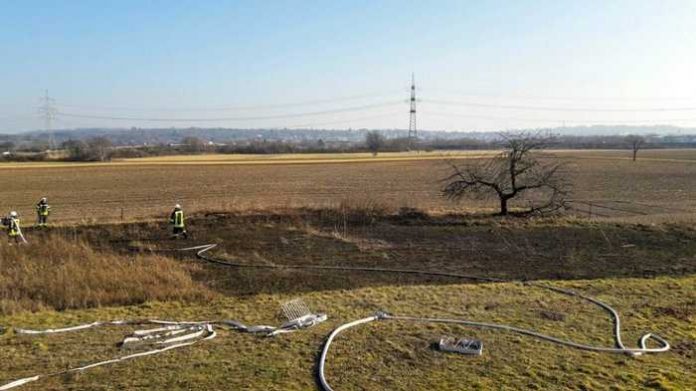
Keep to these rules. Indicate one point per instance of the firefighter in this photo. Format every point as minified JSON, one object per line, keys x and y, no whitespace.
{"x":176,"y":219}
{"x":42,"y":211}
{"x":14,"y":232}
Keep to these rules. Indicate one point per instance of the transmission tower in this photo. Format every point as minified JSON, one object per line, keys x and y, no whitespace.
{"x":48,"y":111}
{"x":412,"y":128}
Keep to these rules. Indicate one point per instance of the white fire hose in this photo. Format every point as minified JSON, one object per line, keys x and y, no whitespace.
{"x":620,"y":347}
{"x":173,"y":335}
{"x":170,"y":335}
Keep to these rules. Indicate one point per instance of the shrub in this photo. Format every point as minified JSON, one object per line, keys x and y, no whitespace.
{"x":95,"y":149}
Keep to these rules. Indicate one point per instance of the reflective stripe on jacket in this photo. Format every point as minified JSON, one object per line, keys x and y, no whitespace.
{"x":14,"y":227}
{"x":43,"y":209}
{"x":178,"y":219}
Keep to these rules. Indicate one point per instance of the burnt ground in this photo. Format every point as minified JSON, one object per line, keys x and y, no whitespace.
{"x":482,"y":246}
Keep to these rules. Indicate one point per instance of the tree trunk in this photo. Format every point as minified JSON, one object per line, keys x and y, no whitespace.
{"x":635,"y":152}
{"x":503,"y":206}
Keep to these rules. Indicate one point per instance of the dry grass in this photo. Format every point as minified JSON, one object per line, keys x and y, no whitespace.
{"x":61,"y":274}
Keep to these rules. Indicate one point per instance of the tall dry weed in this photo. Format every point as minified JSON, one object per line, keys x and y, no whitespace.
{"x":355,"y":212}
{"x":61,"y":274}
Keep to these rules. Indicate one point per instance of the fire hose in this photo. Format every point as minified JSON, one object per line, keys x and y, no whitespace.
{"x":168,"y":338}
{"x":170,"y":335}
{"x":173,"y":336}
{"x":664,"y":345}
{"x":616,"y":319}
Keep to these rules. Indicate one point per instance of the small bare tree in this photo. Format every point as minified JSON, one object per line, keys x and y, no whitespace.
{"x":636,"y":142}
{"x":193,"y":144}
{"x":516,"y":172}
{"x":94,"y":149}
{"x":100,"y":147}
{"x":374,"y":141}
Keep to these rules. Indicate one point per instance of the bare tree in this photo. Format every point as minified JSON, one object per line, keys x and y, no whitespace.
{"x":636,"y":142}
{"x":374,"y":141}
{"x":513,"y":174}
{"x":100,"y":147}
{"x":94,"y":149}
{"x":193,"y":144}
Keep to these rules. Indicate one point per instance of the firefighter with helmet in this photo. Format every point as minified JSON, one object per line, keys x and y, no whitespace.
{"x":42,"y":212}
{"x":176,"y":219}
{"x":14,"y":232}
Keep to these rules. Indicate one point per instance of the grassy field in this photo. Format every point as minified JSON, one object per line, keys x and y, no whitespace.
{"x":360,"y":211}
{"x":385,"y":355}
{"x":663,"y":182}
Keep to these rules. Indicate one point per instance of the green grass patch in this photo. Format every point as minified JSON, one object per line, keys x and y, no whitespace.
{"x":388,"y":354}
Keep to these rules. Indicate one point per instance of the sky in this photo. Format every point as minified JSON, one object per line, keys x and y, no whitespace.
{"x":478,"y":65}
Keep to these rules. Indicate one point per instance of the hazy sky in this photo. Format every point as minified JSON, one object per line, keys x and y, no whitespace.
{"x":479,"y":65}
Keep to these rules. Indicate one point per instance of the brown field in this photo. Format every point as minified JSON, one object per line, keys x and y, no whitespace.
{"x":661,"y":184}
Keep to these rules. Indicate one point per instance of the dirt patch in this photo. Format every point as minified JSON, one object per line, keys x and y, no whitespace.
{"x":685,"y":348}
{"x":551,"y":315}
{"x":682,"y":311}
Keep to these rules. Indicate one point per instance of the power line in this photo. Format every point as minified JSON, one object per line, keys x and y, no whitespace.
{"x":558,"y":98}
{"x":247,"y":118}
{"x":566,"y":109}
{"x":50,"y":113}
{"x":496,"y":118}
{"x":293,"y":126}
{"x":75,"y":125}
{"x":486,"y":117}
{"x":232,"y":108}
{"x":345,"y":121}
{"x":18,"y":117}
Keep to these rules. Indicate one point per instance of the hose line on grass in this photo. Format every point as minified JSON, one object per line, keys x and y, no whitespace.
{"x":176,"y":334}
{"x":203,"y":249}
{"x":168,"y":336}
{"x":619,"y":348}
{"x":664,"y":345}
